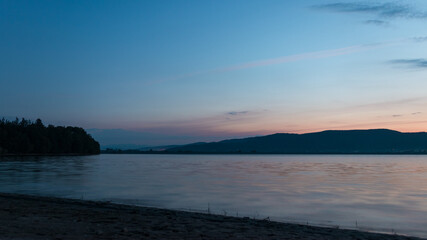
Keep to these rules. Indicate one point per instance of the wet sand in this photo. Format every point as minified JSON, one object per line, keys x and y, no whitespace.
{"x":31,"y":217}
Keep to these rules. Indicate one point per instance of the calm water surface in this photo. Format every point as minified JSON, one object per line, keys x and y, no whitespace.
{"x":369,"y":192}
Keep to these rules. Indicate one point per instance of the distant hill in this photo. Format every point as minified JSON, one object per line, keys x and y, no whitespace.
{"x":25,"y":137}
{"x":123,"y":146}
{"x":331,"y":141}
{"x":130,"y":139}
{"x":135,"y":147}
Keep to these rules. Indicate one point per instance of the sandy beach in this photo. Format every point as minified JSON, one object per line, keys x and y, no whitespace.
{"x":31,"y":217}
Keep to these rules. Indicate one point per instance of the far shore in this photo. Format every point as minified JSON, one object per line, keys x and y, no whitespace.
{"x":35,"y":217}
{"x":188,"y":153}
{"x":43,"y":154}
{"x":257,"y":153}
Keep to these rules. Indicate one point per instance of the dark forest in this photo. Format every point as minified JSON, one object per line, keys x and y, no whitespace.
{"x":27,"y":137}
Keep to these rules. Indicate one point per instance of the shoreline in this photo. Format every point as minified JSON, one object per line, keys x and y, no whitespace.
{"x":131,"y":152}
{"x":136,"y":152}
{"x":45,"y":154}
{"x":36,"y":217}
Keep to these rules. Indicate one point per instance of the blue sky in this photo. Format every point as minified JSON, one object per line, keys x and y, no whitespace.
{"x":186,"y":71}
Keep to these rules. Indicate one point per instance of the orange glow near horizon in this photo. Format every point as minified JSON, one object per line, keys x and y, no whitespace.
{"x":268,"y":123}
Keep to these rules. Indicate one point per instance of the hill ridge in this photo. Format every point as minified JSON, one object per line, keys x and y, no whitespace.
{"x":329,"y":141}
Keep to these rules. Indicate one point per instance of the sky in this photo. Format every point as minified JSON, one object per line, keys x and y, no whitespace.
{"x":173,"y":72}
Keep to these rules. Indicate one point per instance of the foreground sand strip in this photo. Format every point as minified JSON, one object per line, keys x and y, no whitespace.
{"x":31,"y":217}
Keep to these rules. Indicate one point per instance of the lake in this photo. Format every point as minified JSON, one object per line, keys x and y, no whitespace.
{"x":384,"y":193}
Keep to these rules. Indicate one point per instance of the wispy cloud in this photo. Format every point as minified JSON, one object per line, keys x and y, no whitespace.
{"x":235,"y":113}
{"x":299,"y":57}
{"x":412,"y":63}
{"x":294,"y":58}
{"x":420,"y":39}
{"x":402,"y":115}
{"x":389,"y":104}
{"x":367,"y":107}
{"x":375,"y":22}
{"x":279,"y":60}
{"x":238,"y":122}
{"x":380,"y":10}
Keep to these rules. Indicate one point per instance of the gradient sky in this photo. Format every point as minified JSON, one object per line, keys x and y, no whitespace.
{"x":208,"y":70}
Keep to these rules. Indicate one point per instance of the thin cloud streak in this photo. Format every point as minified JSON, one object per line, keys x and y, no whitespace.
{"x":366,"y":107}
{"x":386,"y":104}
{"x":413,"y":63}
{"x":235,"y":113}
{"x":235,"y":123}
{"x":377,"y":23}
{"x":299,"y":57}
{"x":381,"y":10}
{"x":420,"y":39}
{"x":283,"y":59}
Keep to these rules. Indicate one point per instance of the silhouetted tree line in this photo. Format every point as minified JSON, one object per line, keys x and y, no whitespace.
{"x":27,"y":137}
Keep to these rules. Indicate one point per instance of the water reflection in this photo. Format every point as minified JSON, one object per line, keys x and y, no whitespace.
{"x":380,"y":192}
{"x":42,"y":175}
